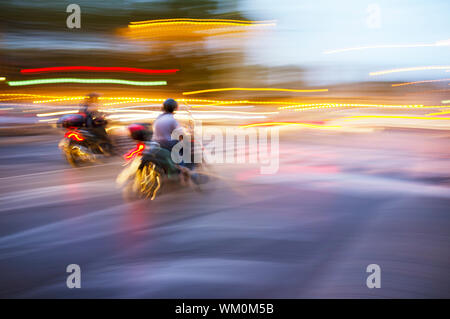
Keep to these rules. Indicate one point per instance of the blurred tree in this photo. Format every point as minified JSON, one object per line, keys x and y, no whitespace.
{"x":34,"y":29}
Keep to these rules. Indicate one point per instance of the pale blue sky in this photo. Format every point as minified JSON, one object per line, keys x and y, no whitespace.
{"x":307,"y":28}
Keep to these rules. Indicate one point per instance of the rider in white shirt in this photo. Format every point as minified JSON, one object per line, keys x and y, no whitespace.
{"x":165,"y":124}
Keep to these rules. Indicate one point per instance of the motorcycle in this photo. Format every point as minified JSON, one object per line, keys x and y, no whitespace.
{"x":80,"y":146}
{"x":149,"y":169}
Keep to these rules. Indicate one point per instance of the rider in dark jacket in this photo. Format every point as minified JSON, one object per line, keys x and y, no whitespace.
{"x":94,"y":120}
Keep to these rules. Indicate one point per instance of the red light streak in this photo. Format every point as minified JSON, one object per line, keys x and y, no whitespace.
{"x":74,"y":136}
{"x":135,"y":151}
{"x":96,"y":69}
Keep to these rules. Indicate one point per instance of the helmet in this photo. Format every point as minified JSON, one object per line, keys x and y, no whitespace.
{"x":72,"y":120}
{"x":92,"y":95}
{"x":140,"y":132}
{"x":170,"y":105}
{"x":99,"y":121}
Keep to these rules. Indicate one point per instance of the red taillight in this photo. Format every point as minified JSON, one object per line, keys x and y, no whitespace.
{"x":74,"y":136}
{"x":135,"y":151}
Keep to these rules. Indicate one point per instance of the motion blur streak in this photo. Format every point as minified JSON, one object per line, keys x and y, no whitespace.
{"x":121,"y":102}
{"x":72,"y":98}
{"x":181,"y":30}
{"x":88,"y":81}
{"x":390,"y":46}
{"x":253,"y":89}
{"x":309,"y":125}
{"x":2,"y":78}
{"x":96,"y":69}
{"x":420,"y":82}
{"x":143,"y":115}
{"x":417,"y":68}
{"x":396,"y":117}
{"x":48,"y":120}
{"x":305,"y":107}
{"x":12,"y":98}
{"x":235,"y":102}
{"x":200,"y":22}
{"x":56,"y":113}
{"x":234,"y":112}
{"x":75,"y":98}
{"x":26,"y":95}
{"x":137,"y":99}
{"x":439,"y":113}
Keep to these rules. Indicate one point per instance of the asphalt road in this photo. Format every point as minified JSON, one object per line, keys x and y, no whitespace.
{"x":337,"y":204}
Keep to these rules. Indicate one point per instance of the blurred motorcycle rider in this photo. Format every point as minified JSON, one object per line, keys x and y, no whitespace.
{"x":163,"y":127}
{"x":89,"y":108}
{"x":95,"y":120}
{"x":165,"y":124}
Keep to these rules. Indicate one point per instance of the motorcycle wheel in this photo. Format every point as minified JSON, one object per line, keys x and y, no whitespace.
{"x":147,"y":181}
{"x":76,"y":157}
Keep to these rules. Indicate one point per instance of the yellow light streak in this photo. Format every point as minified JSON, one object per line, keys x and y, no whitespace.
{"x":304,"y":107}
{"x":203,"y":22}
{"x":200,"y":20}
{"x":390,"y":46}
{"x":25,"y":95}
{"x":253,"y":89}
{"x":419,"y":82}
{"x":439,"y":113}
{"x":418,"y":68}
{"x":135,"y":99}
{"x":122,"y":102}
{"x":12,"y":98}
{"x":48,"y":120}
{"x":235,"y":112}
{"x":56,"y":113}
{"x":60,"y":99}
{"x":286,"y":105}
{"x":350,"y":118}
{"x":291,"y":124}
{"x":131,"y":115}
{"x":233,"y":102}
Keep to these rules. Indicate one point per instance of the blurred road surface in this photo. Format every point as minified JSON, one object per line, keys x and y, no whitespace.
{"x":338,"y":203}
